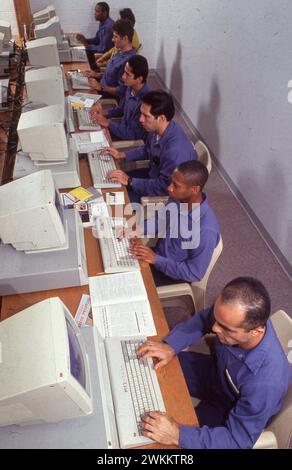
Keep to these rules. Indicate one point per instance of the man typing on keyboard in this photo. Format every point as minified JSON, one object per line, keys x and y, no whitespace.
{"x":241,"y":385}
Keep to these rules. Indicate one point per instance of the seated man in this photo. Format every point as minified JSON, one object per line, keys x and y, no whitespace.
{"x":111,"y":83}
{"x":187,"y":228}
{"x":166,"y":147}
{"x":102,"y":41}
{"x":242,"y":385}
{"x":134,"y":77}
{"x":125,"y":14}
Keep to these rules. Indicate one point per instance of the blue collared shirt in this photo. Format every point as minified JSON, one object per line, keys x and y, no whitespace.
{"x":164,"y":155}
{"x":112,"y":76}
{"x":102,"y":41}
{"x":129,"y":127}
{"x":259,"y":378}
{"x":187,"y":239}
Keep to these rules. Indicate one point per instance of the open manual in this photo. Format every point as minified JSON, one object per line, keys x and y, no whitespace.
{"x":120,"y":305}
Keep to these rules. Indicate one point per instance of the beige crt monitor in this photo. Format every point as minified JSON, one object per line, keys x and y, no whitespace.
{"x":44,"y":368}
{"x":51,"y":27}
{"x":29,"y":216}
{"x":45,"y":85}
{"x":5,"y":28}
{"x":44,"y":15}
{"x":43,"y":52}
{"x":42,"y":134}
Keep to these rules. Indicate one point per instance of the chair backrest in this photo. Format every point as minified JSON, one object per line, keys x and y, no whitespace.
{"x":199,"y":287}
{"x":204,"y":155}
{"x":281,"y":424}
{"x":139,"y":48}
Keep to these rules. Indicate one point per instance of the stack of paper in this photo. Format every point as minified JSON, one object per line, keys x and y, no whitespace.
{"x":120,"y":305}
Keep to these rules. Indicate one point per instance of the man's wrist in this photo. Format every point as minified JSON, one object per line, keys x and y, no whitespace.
{"x":129,"y":182}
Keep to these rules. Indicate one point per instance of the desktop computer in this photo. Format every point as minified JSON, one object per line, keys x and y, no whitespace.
{"x":44,"y":15}
{"x":43,"y":52}
{"x":65,"y":175}
{"x":5,"y":28}
{"x":45,"y":85}
{"x":42,"y":246}
{"x":50,"y":28}
{"x":42,"y":134}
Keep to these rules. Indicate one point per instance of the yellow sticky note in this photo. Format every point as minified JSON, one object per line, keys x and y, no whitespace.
{"x":80,"y":193}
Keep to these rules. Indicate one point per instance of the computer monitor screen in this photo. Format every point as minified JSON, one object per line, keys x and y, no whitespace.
{"x":44,"y":15}
{"x":51,"y":27}
{"x":42,"y":134}
{"x":43,"y":52}
{"x":30,"y":215}
{"x":45,"y":85}
{"x":5,"y":28}
{"x":44,"y":369}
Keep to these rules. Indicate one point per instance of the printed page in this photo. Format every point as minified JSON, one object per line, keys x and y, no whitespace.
{"x":125,"y":319}
{"x":116,"y":288}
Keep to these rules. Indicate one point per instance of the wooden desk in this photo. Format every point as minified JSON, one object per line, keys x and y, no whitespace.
{"x":173,"y":386}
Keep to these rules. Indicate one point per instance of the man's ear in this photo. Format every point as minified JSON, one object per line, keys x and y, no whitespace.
{"x":257,"y":331}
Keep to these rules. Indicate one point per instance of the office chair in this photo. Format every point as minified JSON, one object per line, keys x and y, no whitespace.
{"x":195,"y":290}
{"x":204,"y":155}
{"x":278,"y":433}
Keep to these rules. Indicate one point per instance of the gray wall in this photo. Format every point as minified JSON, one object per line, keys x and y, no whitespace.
{"x":78,"y":15}
{"x":228,"y":63}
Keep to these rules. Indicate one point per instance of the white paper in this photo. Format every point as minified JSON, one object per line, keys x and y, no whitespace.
{"x":99,"y":209}
{"x":116,"y":288}
{"x":83,"y":310}
{"x":88,"y":103}
{"x":124,"y":319}
{"x":89,"y":141}
{"x":115,"y":198}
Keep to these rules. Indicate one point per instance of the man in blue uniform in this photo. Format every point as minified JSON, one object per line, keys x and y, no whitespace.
{"x":134,"y":77}
{"x":111,"y":83}
{"x":166,"y":147}
{"x":187,"y":228}
{"x":102,"y":41}
{"x":241,"y":386}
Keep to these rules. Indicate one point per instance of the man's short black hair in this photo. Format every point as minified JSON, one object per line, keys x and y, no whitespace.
{"x":194,"y":172}
{"x":127,"y":14}
{"x":124,"y":28}
{"x":253,"y":296}
{"x":105,"y":7}
{"x":161,"y":103}
{"x":139,"y":66}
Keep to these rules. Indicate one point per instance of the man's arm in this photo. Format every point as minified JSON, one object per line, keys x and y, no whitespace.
{"x":195,"y":266}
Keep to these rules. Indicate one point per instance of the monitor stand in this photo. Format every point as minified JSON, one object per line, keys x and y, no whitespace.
{"x":21,"y":272}
{"x":88,"y":432}
{"x":66,"y":175}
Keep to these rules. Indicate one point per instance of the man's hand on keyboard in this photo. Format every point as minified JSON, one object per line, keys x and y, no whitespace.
{"x":100,"y":119}
{"x":91,"y":74}
{"x":114,"y":153}
{"x":162,"y":352}
{"x":142,"y":252}
{"x":161,"y":428}
{"x":96,"y":110}
{"x":118,"y":175}
{"x":94,"y":84}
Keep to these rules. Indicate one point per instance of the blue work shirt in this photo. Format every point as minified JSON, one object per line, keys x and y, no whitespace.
{"x":187,"y":239}
{"x":130,"y":126}
{"x":102,"y":41}
{"x":114,"y":70}
{"x":164,"y":155}
{"x":253,"y":387}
